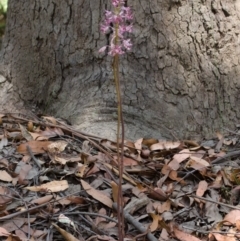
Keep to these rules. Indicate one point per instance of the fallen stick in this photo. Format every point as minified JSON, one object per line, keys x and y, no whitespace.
{"x":136,"y":224}
{"x":222,"y":159}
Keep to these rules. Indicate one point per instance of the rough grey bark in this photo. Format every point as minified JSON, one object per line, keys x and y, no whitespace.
{"x":181,"y":78}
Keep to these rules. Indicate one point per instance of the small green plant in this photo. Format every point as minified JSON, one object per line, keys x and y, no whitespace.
{"x":3,"y":16}
{"x":225,"y":192}
{"x":118,"y":24}
{"x":4,"y":4}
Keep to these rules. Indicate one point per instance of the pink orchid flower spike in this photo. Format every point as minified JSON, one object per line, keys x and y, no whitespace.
{"x":118,"y":22}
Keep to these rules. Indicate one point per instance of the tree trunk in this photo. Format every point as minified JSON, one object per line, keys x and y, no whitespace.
{"x":181,"y":79}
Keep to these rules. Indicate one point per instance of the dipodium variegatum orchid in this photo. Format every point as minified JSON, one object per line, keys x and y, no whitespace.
{"x":119,"y":22}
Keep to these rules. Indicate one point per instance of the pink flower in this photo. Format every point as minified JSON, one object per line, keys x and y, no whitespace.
{"x":115,"y":49}
{"x":101,"y":50}
{"x":108,"y":14}
{"x":104,"y":28}
{"x":118,"y":21}
{"x":115,"y":3}
{"x":126,"y":11}
{"x":125,"y":29}
{"x":127,"y":44}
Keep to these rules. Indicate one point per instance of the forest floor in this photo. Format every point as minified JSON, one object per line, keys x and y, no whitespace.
{"x":58,"y":183}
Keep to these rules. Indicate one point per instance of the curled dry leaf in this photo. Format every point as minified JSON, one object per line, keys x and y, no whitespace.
{"x":50,"y":119}
{"x":166,"y":170}
{"x":217,"y":183}
{"x":1,"y":120}
{"x":162,"y":207}
{"x":227,"y":142}
{"x":145,"y":153}
{"x":182,"y":236}
{"x":232,"y":217}
{"x":238,"y":224}
{"x":219,"y":135}
{"x":184,"y":201}
{"x":16,"y":135}
{"x":37,"y":147}
{"x":114,"y":191}
{"x":162,"y":180}
{"x":130,"y":147}
{"x":197,"y":163}
{"x":76,"y":200}
{"x":60,"y":160}
{"x":52,"y":132}
{"x":4,"y":176}
{"x":56,"y":147}
{"x":23,"y":170}
{"x":63,"y":159}
{"x":182,"y":155}
{"x":156,"y":218}
{"x":20,"y":235}
{"x":199,"y":154}
{"x":92,"y":169}
{"x":4,"y":232}
{"x":212,"y":153}
{"x":66,"y":220}
{"x":150,"y":141}
{"x":109,"y":144}
{"x":129,"y":162}
{"x":54,"y":186}
{"x":166,"y":216}
{"x":86,"y":147}
{"x":98,"y":195}
{"x":105,"y":238}
{"x":62,"y":201}
{"x":36,"y":136}
{"x":138,"y":145}
{"x":30,"y":126}
{"x":165,"y":145}
{"x":202,"y":187}
{"x":225,"y":176}
{"x":42,"y":200}
{"x":108,"y":226}
{"x":81,"y":170}
{"x":157,"y":194}
{"x":25,"y":133}
{"x":99,"y":219}
{"x":5,"y":195}
{"x":235,"y":194}
{"x":46,"y":134}
{"x":164,"y":235}
{"x":14,"y":224}
{"x":67,"y":236}
{"x":174,"y":176}
{"x":220,"y":237}
{"x":174,"y":164}
{"x":34,"y":233}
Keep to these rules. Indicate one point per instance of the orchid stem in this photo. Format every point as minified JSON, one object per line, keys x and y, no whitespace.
{"x":118,"y":21}
{"x":120,"y":159}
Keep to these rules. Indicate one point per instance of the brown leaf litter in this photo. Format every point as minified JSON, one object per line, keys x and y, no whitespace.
{"x":60,"y":183}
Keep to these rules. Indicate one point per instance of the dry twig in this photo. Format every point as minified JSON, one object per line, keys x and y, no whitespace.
{"x":136,"y":224}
